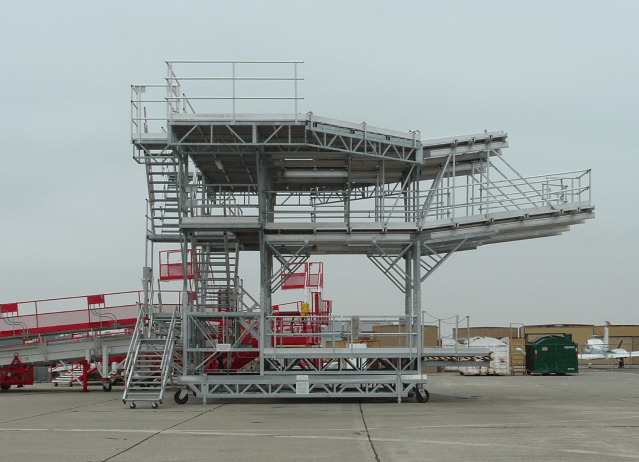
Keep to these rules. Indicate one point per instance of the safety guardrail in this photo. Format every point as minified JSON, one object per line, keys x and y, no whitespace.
{"x":74,"y":314}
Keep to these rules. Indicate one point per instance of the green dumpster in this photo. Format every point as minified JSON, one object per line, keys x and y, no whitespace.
{"x":551,"y":353}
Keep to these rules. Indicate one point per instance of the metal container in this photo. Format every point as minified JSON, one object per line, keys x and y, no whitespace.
{"x":552,"y":353}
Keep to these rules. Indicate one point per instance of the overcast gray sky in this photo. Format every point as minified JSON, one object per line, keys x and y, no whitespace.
{"x":561,"y":78}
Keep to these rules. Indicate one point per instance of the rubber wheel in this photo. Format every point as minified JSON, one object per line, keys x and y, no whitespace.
{"x":422,"y":395}
{"x":132,"y":405}
{"x":107,"y":386}
{"x":55,"y":384}
{"x":70,"y":384}
{"x":177,"y":399}
{"x":154,"y":405}
{"x":5,"y":387}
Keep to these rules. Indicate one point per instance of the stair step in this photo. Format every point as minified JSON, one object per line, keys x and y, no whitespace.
{"x":142,"y":394}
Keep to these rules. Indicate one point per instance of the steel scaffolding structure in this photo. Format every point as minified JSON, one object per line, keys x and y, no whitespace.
{"x":289,"y":185}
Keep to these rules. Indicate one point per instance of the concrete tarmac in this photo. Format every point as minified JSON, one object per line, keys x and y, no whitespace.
{"x":592,"y":416}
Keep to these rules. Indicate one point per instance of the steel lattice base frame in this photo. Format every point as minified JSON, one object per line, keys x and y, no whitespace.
{"x":304,"y":386}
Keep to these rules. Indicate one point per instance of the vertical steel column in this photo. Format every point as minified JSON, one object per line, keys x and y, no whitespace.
{"x":185,"y":237}
{"x":295,"y":81}
{"x":454,"y":184}
{"x":147,"y":277}
{"x":487,"y":178}
{"x":105,"y":362}
{"x":417,"y":297}
{"x":233,"y":64}
{"x":347,"y":197}
{"x":266,"y":208}
{"x":382,"y":192}
{"x":408,"y":294}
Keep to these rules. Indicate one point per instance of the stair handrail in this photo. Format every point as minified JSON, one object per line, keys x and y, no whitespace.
{"x":12,"y":323}
{"x":167,"y":356}
{"x":135,"y":340}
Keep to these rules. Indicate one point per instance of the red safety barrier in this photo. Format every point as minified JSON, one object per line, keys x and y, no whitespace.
{"x":297,"y":280}
{"x":309,"y":275}
{"x":315,"y":275}
{"x":95,"y":300}
{"x":116,"y":310}
{"x":326,"y":311}
{"x":9,"y":308}
{"x":171,"y":268}
{"x":296,"y":331}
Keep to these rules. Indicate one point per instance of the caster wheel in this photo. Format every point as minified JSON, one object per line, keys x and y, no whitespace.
{"x":70,"y":384}
{"x":132,"y":405}
{"x":55,"y":384}
{"x":179,"y":400}
{"x":422,"y":395}
{"x":107,"y":386}
{"x":154,"y":405}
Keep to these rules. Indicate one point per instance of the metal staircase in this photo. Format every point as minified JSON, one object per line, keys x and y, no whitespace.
{"x":163,"y":204}
{"x":216,"y":273}
{"x":151,"y":362}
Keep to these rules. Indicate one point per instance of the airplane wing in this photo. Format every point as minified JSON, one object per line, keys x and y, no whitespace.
{"x":591,"y":356}
{"x":621,"y":353}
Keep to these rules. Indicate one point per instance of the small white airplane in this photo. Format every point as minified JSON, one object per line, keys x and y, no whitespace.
{"x":600,"y":349}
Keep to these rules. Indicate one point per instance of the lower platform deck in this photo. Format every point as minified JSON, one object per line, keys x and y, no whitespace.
{"x":330,"y":373}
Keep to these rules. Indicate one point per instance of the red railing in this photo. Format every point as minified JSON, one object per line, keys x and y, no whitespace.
{"x":116,"y":310}
{"x":171,"y":268}
{"x":310,"y":275}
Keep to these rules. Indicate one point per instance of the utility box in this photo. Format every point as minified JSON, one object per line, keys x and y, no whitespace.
{"x":551,"y":353}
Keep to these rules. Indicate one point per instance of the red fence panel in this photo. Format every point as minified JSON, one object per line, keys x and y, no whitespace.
{"x":171,"y":265}
{"x":95,"y":299}
{"x":9,"y":308}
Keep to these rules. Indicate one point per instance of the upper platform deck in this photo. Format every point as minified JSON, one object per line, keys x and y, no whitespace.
{"x":308,"y":151}
{"x":342,"y":186}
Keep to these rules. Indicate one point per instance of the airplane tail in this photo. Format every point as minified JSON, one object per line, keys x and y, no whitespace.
{"x":606,"y":344}
{"x":608,"y":323}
